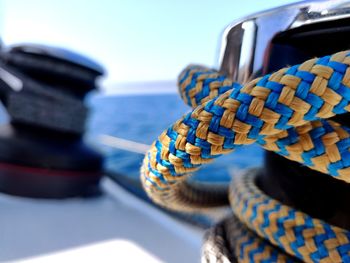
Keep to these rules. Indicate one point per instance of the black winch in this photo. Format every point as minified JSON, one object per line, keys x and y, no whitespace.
{"x":42,"y":152}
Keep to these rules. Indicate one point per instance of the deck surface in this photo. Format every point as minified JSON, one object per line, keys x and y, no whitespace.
{"x":116,"y":227}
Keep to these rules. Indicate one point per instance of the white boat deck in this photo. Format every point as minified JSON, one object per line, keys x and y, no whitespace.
{"x":116,"y":227}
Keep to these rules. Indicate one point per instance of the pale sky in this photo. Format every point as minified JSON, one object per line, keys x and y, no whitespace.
{"x":135,"y":40}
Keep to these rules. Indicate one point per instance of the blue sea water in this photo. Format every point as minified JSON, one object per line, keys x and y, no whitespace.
{"x":142,"y":118}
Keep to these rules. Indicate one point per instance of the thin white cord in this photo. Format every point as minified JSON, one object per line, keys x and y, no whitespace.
{"x":124,"y":144}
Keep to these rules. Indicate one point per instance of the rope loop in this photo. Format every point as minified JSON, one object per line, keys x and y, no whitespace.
{"x":287,"y":112}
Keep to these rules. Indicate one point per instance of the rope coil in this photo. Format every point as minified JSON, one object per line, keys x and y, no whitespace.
{"x":286,"y":112}
{"x":296,"y":233}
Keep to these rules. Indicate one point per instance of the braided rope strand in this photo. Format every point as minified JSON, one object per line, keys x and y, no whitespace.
{"x":241,"y":245}
{"x":297,"y":145}
{"x":271,"y":110}
{"x":298,"y":234}
{"x":259,"y":220}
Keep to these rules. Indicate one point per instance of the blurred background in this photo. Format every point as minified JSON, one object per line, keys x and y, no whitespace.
{"x":137,"y":41}
{"x":143,"y":45}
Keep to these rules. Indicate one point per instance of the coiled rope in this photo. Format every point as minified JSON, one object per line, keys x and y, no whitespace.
{"x":285,"y":112}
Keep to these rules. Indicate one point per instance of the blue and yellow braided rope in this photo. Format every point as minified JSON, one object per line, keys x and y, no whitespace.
{"x":285,"y":112}
{"x":296,"y":233}
{"x":264,"y":230}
